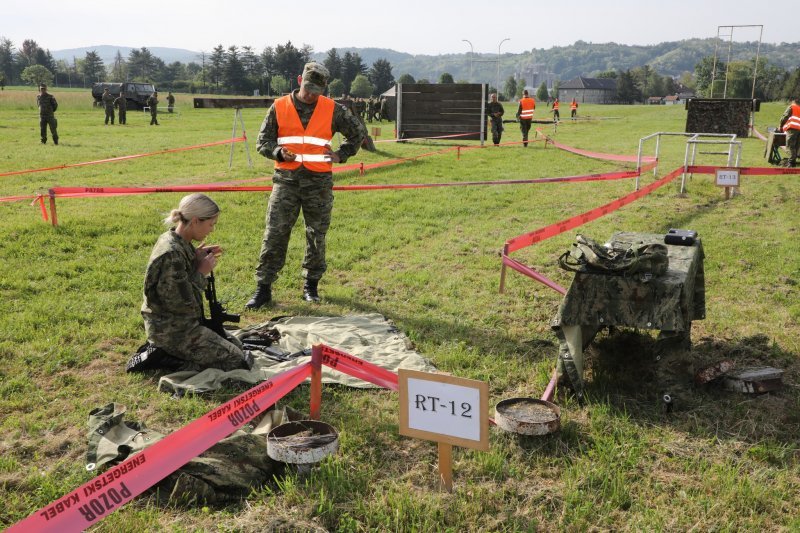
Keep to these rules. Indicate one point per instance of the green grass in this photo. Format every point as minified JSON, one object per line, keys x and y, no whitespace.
{"x":428,"y":259}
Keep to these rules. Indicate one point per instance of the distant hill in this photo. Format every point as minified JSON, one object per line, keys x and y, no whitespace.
{"x":565,"y":62}
{"x":108,"y":52}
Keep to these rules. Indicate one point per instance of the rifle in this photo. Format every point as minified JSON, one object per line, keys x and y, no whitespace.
{"x":218,"y":314}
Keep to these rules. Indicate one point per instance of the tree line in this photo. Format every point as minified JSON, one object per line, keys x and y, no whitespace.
{"x":231,"y":70}
{"x":274,"y":70}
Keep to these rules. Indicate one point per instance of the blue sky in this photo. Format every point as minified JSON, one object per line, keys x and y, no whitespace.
{"x":412,"y":26}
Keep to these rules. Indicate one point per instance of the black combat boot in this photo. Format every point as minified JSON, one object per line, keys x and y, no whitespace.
{"x":262,"y":297}
{"x":310,"y":293}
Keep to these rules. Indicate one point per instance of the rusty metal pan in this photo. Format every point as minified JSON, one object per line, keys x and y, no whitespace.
{"x":302,"y":442}
{"x":527,"y":416}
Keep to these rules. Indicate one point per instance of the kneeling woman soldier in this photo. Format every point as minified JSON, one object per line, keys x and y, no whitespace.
{"x":173,"y":290}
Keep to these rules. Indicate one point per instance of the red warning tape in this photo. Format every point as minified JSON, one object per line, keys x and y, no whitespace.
{"x":558,"y":228}
{"x":96,"y":499}
{"x":107,"y":492}
{"x":123,"y":158}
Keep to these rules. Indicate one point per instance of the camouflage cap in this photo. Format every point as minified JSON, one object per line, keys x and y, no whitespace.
{"x":315,"y":77}
{"x":42,"y":86}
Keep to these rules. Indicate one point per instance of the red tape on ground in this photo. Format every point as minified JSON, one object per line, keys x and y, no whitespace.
{"x":364,"y":370}
{"x":122,"y":158}
{"x":107,"y":492}
{"x":558,"y":228}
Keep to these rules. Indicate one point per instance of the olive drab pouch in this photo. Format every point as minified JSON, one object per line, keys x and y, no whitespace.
{"x":112,"y":439}
{"x":639,"y":260}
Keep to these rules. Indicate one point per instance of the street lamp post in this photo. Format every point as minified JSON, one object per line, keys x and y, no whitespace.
{"x":471,"y":55}
{"x":498,"y":64}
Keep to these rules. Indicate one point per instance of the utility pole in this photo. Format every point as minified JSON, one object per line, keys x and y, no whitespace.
{"x":471,"y":56}
{"x":497,"y":88}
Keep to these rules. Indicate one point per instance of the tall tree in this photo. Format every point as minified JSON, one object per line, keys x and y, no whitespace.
{"x":361,"y":87}
{"x":446,"y":77}
{"x":380,"y":75}
{"x":406,"y":78}
{"x":36,"y":74}
{"x":792,"y":85}
{"x":352,"y":66}
{"x":7,"y":67}
{"x":233,"y":72}
{"x":142,"y":65}
{"x":541,"y":93}
{"x":510,"y":88}
{"x":333,"y":63}
{"x":703,"y":74}
{"x":217,"y":61}
{"x":119,"y":69}
{"x":26,"y":56}
{"x":289,"y":62}
{"x":626,"y":88}
{"x":93,"y":67}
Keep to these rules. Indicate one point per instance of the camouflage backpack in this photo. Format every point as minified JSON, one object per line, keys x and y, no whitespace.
{"x":639,"y":261}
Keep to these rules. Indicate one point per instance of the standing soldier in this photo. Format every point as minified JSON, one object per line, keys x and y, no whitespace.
{"x":108,"y":104}
{"x":152,"y":103}
{"x":790,"y":124}
{"x":525,"y":115}
{"x":370,"y":109}
{"x":170,"y":102}
{"x":47,"y":108}
{"x":296,"y":134}
{"x":573,"y":109}
{"x":121,"y":103}
{"x":495,"y":111}
{"x":383,"y":111}
{"x":556,"y":115}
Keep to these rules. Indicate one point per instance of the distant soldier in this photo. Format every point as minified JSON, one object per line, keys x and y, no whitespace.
{"x":370,"y":109}
{"x":525,"y":115}
{"x":108,"y":104}
{"x":152,"y":103}
{"x":170,"y":102}
{"x":790,"y":124}
{"x":556,"y":115}
{"x":383,"y":111}
{"x":47,"y":108}
{"x":573,"y":109}
{"x":121,"y":103}
{"x":494,"y":110}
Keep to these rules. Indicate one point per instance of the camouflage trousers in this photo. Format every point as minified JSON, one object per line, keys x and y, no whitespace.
{"x":197,"y":345}
{"x":110,"y":114}
{"x":50,"y":121}
{"x":793,"y":143}
{"x":314,"y":197}
{"x":122,"y":116}
{"x":497,"y":130}
{"x":524,"y":127}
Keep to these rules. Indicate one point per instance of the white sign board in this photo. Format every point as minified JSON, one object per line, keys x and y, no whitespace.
{"x":728,"y":177}
{"x":444,"y":408}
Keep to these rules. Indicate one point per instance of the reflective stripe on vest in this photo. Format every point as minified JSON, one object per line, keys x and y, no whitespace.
{"x":528,"y":105}
{"x":309,"y":143}
{"x":573,"y":105}
{"x":794,"y":121}
{"x":555,"y":104}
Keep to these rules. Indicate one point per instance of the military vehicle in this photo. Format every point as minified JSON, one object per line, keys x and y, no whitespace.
{"x":136,"y":93}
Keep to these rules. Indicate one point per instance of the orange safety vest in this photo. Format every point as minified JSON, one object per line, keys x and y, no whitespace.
{"x":528,"y":105}
{"x":309,"y":144}
{"x":794,"y":121}
{"x":573,"y":105}
{"x":555,"y":105}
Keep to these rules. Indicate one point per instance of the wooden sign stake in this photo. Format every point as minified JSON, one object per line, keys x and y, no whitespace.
{"x":446,"y":466}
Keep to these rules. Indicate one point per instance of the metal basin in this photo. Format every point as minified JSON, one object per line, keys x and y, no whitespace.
{"x":302,"y":442}
{"x":527,"y":416}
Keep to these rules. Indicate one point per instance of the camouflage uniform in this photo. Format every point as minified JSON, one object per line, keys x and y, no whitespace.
{"x":170,"y":102}
{"x":108,"y":103}
{"x":47,"y":107}
{"x":152,"y":103}
{"x":792,"y":136}
{"x":495,"y":110}
{"x":121,"y":103}
{"x":226,"y":472}
{"x":301,"y":189}
{"x":173,"y":308}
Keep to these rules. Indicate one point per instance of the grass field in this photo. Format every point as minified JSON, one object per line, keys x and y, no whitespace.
{"x":429,"y":260}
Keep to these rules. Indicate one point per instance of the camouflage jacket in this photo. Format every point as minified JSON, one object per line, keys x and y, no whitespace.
{"x":108,"y":101}
{"x":344,"y":121}
{"x":47,"y":104}
{"x":152,"y":102}
{"x":173,"y":288}
{"x":492,"y":108}
{"x":121,"y":102}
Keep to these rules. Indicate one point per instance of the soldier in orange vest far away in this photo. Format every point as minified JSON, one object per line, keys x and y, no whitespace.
{"x":555,"y":110}
{"x":790,"y":124}
{"x":296,"y":134}
{"x":573,"y":109}
{"x":525,"y":115}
